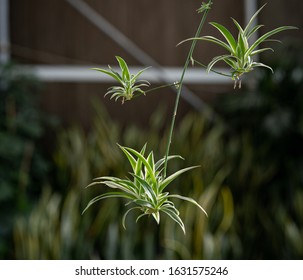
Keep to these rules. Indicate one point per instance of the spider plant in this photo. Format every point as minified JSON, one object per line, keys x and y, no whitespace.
{"x":128,"y":82}
{"x":145,"y":189}
{"x":240,"y":53}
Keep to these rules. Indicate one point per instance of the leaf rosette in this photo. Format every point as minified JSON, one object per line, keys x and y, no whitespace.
{"x":129,"y":85}
{"x":145,"y":189}
{"x":240,"y":52}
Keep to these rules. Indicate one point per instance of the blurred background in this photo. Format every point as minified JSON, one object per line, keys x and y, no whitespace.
{"x":58,"y":132}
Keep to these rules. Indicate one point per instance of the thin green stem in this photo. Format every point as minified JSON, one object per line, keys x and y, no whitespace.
{"x":190,"y":53}
{"x":163,"y":86}
{"x":214,"y":71}
{"x":156,"y":88}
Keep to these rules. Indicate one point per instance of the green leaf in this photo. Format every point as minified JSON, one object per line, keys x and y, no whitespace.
{"x":134,"y":78}
{"x":141,"y":216}
{"x":145,"y":163}
{"x":237,"y":24}
{"x":189,"y":200}
{"x":260,"y":51}
{"x":246,"y":30}
{"x":109,"y":73}
{"x":209,"y":39}
{"x":143,"y":203}
{"x":162,"y":198}
{"x":160,"y":162}
{"x":138,"y":169}
{"x":108,"y":195}
{"x":174,"y":216}
{"x":156,"y":216}
{"x":117,"y":74}
{"x":125,"y":215}
{"x":130,"y":158}
{"x":267,"y":35}
{"x":148,"y":189}
{"x":150,"y":160}
{"x":217,"y":41}
{"x":216,"y":60}
{"x":229,"y":61}
{"x":120,"y":186}
{"x":255,"y":29}
{"x":172,"y":177}
{"x":124,"y":68}
{"x":227,"y":35}
{"x":242,"y":46}
{"x":117,"y":183}
{"x":259,"y":64}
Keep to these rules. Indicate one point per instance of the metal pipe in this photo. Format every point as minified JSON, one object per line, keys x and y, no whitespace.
{"x":66,"y":73}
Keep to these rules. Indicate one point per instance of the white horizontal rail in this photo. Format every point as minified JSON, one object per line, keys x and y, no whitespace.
{"x":79,"y":74}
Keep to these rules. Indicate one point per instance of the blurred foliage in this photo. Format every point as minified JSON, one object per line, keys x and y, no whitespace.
{"x":23,"y":164}
{"x":81,"y":157}
{"x":267,"y":178}
{"x":250,"y":182}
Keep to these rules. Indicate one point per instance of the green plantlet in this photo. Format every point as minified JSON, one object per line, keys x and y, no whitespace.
{"x":146,"y":187}
{"x":129,"y":85}
{"x":240,"y":52}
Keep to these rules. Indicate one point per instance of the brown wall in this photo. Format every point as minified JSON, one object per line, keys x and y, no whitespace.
{"x":51,"y":31}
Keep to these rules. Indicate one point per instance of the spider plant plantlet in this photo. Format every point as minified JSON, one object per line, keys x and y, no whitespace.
{"x":129,"y":85}
{"x":145,"y":189}
{"x":240,"y":53}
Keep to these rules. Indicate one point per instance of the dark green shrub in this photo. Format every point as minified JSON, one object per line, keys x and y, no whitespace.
{"x":23,"y":164}
{"x":266,"y":178}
